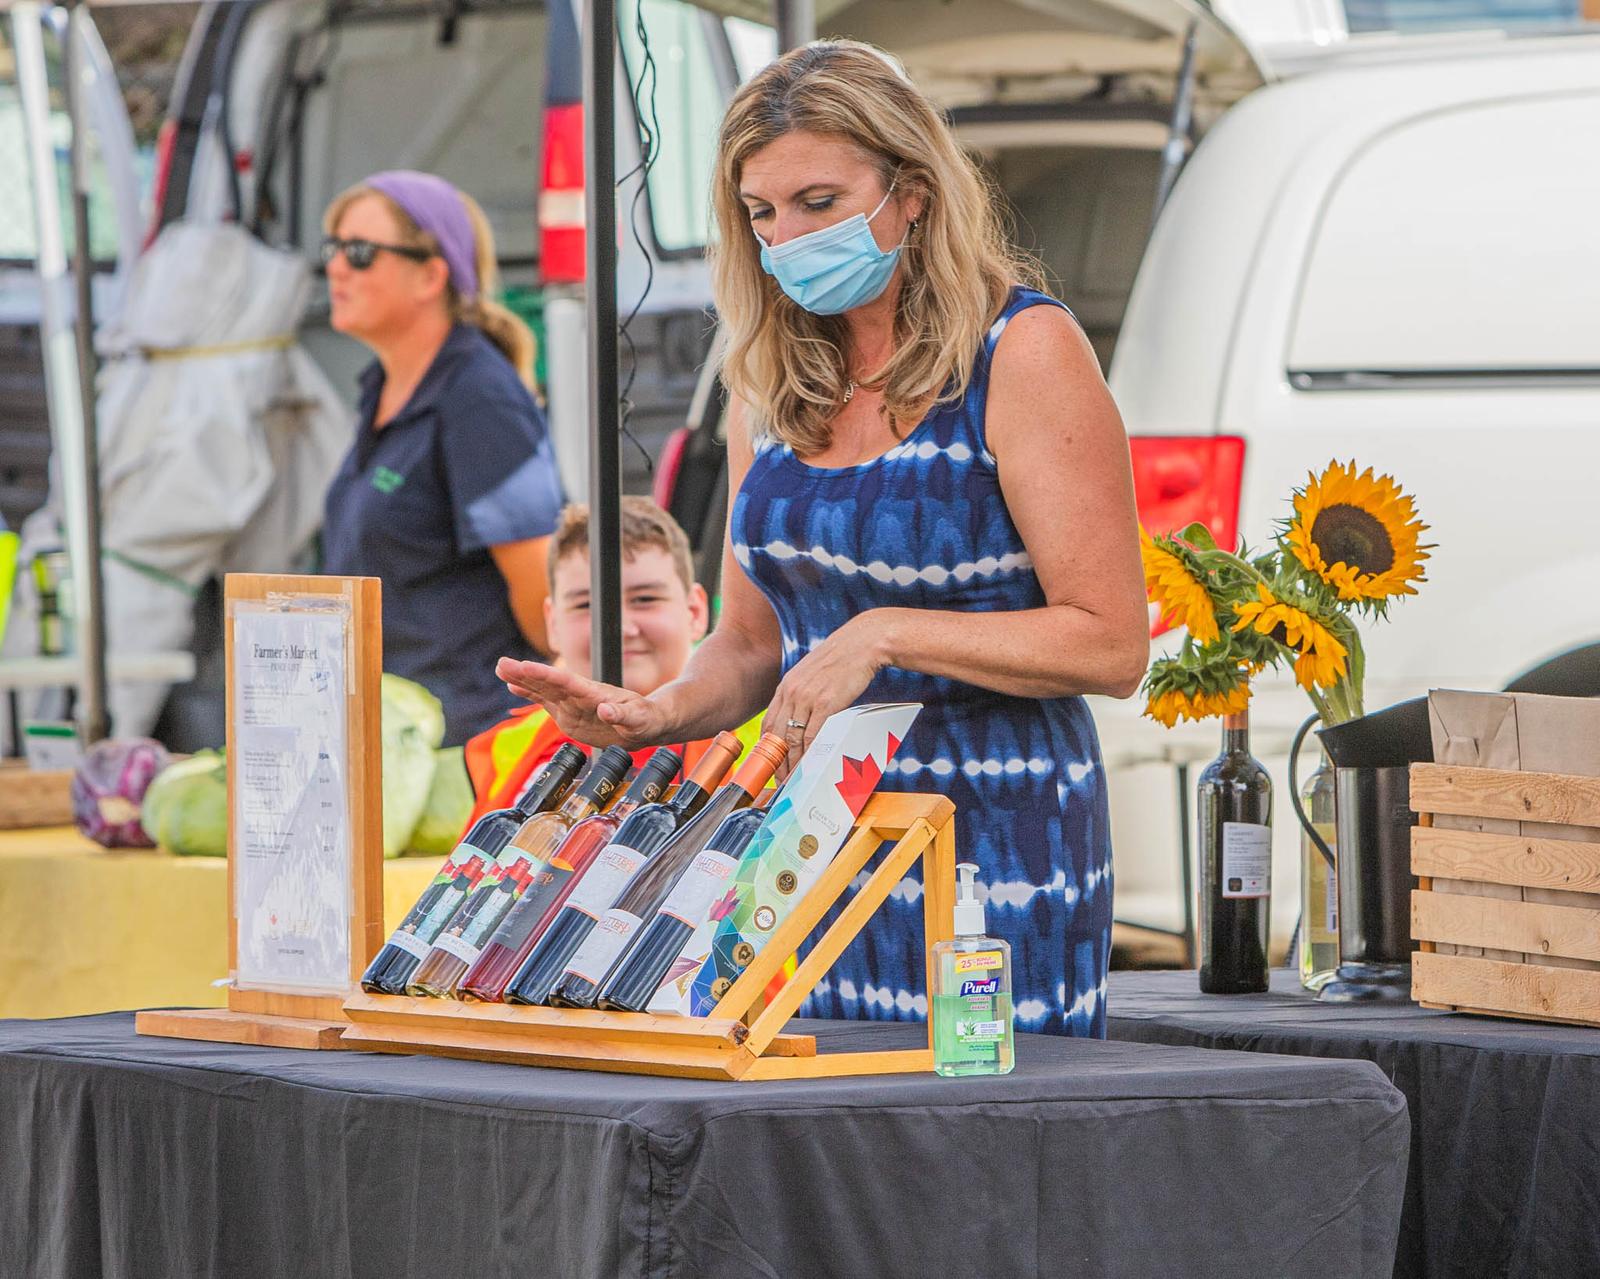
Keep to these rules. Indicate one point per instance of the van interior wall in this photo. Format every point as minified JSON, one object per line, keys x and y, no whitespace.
{"x":1085,"y":211}
{"x":467,"y":106}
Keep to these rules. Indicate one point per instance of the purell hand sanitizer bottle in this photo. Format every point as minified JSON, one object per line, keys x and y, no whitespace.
{"x":971,"y":999}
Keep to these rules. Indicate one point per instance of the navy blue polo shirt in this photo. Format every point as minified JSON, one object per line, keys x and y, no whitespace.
{"x":464,"y":466}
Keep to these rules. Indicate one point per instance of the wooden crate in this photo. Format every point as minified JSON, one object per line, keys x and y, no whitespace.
{"x":31,"y":797}
{"x":1557,"y":978}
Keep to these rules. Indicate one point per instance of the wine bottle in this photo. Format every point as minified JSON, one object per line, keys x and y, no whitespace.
{"x":1235,"y":808}
{"x":395,"y":963}
{"x":1318,"y":956}
{"x":644,"y":833}
{"x":525,"y":922}
{"x":609,"y":940}
{"x":528,"y":851}
{"x":704,"y":882}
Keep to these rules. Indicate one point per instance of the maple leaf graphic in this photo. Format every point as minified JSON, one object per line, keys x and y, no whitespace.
{"x":859,"y":780}
{"x":722,"y":909}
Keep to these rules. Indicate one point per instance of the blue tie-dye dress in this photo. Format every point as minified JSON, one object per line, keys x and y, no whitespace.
{"x":925,"y":526}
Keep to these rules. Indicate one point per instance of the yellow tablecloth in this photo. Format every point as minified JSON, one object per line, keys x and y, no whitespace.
{"x":84,"y":929}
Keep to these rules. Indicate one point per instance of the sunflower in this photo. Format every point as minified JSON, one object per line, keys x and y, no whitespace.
{"x":1177,"y":691}
{"x":1358,"y":533}
{"x":1176,"y":588}
{"x":1320,"y":659}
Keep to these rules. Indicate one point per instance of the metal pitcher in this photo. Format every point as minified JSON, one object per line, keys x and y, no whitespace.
{"x":1373,"y":820}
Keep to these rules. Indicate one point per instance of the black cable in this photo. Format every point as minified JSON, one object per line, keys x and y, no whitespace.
{"x":233,"y":26}
{"x":648,"y":122}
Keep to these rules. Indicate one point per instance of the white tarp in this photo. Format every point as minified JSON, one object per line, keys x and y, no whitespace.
{"x":218,"y":438}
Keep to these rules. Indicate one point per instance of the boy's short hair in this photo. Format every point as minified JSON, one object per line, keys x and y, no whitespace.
{"x":644,"y":524}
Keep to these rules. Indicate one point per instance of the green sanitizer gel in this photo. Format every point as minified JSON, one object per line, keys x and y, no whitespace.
{"x":971,"y":998}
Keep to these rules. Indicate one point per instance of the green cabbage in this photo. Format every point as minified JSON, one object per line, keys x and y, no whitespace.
{"x":410,"y":716}
{"x":419,"y":706}
{"x":185,"y":809}
{"x":450,"y":802}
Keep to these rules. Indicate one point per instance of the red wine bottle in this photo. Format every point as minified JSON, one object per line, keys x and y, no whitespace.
{"x":523,"y":925}
{"x":702,"y":885}
{"x":1235,"y":808}
{"x":528,"y":851}
{"x":394,"y":964}
{"x":610,"y":939}
{"x":642,"y":834}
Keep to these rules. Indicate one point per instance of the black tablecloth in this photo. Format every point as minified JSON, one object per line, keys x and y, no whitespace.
{"x":1505,"y":1115}
{"x":137,"y":1158}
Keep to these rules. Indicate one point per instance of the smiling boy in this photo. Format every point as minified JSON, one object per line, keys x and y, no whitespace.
{"x":664,"y":615}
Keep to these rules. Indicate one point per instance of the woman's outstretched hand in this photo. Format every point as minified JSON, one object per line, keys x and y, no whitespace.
{"x":586,"y":710}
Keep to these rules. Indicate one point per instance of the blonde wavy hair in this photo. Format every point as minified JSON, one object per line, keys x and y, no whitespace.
{"x":956,"y":269}
{"x":511,"y":336}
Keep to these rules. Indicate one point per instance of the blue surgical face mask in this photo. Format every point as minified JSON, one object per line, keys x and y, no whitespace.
{"x":835,"y":269}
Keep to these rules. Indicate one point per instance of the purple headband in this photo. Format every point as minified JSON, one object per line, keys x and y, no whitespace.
{"x":437,"y":208}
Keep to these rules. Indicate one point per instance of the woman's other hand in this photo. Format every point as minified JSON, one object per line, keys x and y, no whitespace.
{"x":829,"y":678}
{"x":586,"y":710}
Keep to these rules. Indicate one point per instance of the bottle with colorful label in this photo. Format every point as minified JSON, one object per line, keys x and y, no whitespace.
{"x":970,"y":1002}
{"x":611,"y":939}
{"x":474,"y":857}
{"x":553,"y":883}
{"x":642,"y":834}
{"x":528,"y":853}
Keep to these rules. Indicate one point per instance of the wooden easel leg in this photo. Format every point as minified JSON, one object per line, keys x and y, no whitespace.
{"x":840,"y":934}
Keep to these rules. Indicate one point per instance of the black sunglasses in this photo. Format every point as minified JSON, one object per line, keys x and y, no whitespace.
{"x":361,"y":254}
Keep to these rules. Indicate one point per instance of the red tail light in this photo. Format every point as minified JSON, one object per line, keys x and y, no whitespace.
{"x":1178,"y":479}
{"x":561,"y":239}
{"x":667,"y":467}
{"x":166,"y":142}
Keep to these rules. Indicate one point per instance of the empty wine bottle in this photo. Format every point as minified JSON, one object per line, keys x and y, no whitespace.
{"x":523,"y":925}
{"x":642,"y":834}
{"x":611,"y":938}
{"x":528,"y":850}
{"x":702,"y":885}
{"x":1235,"y":810}
{"x":395,"y":963}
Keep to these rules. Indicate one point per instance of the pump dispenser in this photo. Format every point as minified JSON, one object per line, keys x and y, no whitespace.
{"x":971,"y":1000}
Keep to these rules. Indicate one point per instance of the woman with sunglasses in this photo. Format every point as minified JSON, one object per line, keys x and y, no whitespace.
{"x":450,"y":491}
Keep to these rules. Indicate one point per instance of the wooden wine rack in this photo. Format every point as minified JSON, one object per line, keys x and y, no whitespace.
{"x":742,"y":1039}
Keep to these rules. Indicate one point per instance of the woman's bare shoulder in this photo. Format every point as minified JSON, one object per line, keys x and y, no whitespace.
{"x":1045,"y":386}
{"x":1043,"y":339}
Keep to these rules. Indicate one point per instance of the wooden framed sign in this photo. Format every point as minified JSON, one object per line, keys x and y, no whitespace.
{"x":305,"y":809}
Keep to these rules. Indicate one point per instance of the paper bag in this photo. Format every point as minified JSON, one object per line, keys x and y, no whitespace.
{"x":1523,"y":732}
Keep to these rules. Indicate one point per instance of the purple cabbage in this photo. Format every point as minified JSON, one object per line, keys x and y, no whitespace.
{"x":109,"y":785}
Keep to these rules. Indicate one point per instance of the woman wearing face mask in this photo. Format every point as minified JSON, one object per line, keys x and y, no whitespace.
{"x":934,"y":504}
{"x":449,"y":493}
